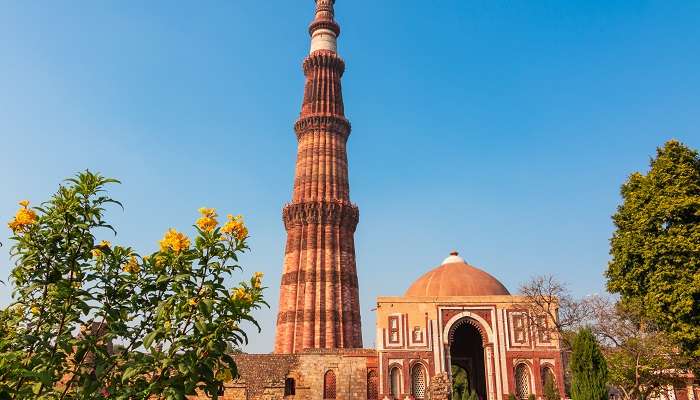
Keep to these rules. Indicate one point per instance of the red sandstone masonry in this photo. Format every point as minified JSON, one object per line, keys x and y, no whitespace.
{"x":319,"y":301}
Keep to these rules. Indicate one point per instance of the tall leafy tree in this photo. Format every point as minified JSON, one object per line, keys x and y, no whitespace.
{"x":171,"y":312}
{"x":655,"y":248}
{"x":588,"y":368}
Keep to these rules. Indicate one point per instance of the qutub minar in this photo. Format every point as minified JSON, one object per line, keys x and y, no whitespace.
{"x":454,"y":320}
{"x":319,"y":303}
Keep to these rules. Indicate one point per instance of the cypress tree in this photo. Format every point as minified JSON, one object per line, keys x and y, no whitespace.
{"x":589,"y":369}
{"x":550,"y":388}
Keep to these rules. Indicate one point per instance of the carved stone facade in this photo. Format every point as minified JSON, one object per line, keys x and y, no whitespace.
{"x":426,"y":331}
{"x":319,"y":302}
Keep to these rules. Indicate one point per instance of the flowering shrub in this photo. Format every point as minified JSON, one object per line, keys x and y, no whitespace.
{"x":93,"y":320}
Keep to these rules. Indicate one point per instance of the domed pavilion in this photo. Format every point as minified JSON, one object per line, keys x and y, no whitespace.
{"x":459,"y":321}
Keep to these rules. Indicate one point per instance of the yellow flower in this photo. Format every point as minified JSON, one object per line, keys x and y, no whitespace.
{"x":238,"y":294}
{"x":257,"y":280}
{"x":208,"y":212}
{"x":96,"y":253}
{"x":175,"y":241}
{"x":192,"y":302}
{"x":241,"y":295}
{"x":35,"y":310}
{"x":160,"y":261}
{"x":132,"y":266}
{"x":104,"y":245}
{"x":17,"y":309}
{"x":23,"y":219}
{"x":207,"y":222}
{"x":168,"y":325}
{"x":235,"y":227}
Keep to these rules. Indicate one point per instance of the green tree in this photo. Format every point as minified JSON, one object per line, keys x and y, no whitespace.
{"x":589,"y":371}
{"x":642,"y":361}
{"x":551,"y":392}
{"x":460,"y":383}
{"x":75,"y":295}
{"x":656,"y":245}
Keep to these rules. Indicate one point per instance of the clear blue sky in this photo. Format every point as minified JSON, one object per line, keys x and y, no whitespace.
{"x":502,"y":129}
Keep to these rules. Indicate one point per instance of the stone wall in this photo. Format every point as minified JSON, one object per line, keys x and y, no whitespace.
{"x":262,"y":376}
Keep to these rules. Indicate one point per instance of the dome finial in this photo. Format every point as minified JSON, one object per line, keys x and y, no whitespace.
{"x":453,"y":258}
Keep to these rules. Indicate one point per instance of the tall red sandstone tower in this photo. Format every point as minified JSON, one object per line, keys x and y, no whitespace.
{"x":319,"y":304}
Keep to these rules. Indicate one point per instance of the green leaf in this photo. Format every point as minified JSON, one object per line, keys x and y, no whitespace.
{"x":129,"y":373}
{"x":148,"y":339}
{"x":36,"y":388}
{"x":201,"y":325}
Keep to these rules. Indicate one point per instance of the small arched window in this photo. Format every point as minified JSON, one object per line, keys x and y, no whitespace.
{"x":395,"y":376}
{"x":290,"y":387}
{"x":418,"y":382}
{"x":372,"y":385}
{"x":522,"y":382}
{"x":329,"y":385}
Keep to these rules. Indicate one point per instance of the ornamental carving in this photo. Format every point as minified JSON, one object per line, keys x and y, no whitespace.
{"x":324,"y":24}
{"x":309,"y":315}
{"x":440,"y":387}
{"x":449,"y":313}
{"x":327,"y":123}
{"x":325,"y":6}
{"x":344,"y":276}
{"x":472,"y":322}
{"x":486,"y":315}
{"x":321,"y":212}
{"x":324,"y":59}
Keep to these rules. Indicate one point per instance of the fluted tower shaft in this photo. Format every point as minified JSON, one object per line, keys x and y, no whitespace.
{"x":319,"y":302}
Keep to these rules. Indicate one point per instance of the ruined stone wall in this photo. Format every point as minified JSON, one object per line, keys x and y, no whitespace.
{"x":262,"y":376}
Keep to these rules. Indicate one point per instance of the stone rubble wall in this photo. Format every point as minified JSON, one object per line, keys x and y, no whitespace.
{"x":262,"y":376}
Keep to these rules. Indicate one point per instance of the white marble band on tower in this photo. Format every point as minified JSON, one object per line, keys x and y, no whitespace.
{"x":324,"y":39}
{"x":324,"y":30}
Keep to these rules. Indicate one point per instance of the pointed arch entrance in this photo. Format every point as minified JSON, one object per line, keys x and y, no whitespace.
{"x":468,"y":362}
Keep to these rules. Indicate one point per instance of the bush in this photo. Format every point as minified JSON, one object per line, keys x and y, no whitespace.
{"x":169,"y":312}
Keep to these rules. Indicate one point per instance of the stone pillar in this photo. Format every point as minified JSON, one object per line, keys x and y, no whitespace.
{"x":490,"y":372}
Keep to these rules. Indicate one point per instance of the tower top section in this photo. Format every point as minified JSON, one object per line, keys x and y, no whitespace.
{"x":324,"y":30}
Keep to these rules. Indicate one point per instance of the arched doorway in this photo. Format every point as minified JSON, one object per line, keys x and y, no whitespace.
{"x":467,"y":359}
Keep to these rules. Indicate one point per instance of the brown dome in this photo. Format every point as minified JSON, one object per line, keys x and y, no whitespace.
{"x":456,"y":278}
